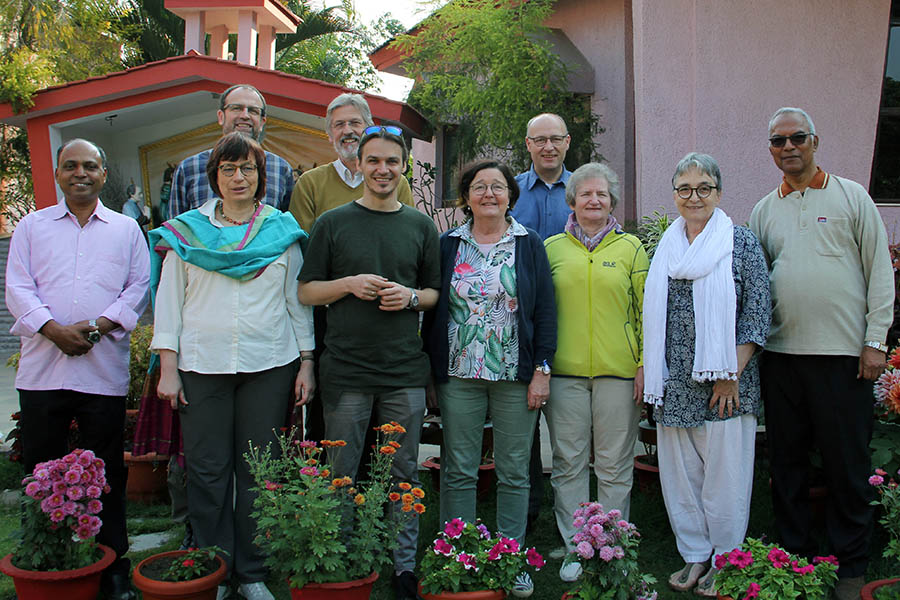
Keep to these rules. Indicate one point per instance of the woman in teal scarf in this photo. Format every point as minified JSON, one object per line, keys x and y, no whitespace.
{"x":233,"y":342}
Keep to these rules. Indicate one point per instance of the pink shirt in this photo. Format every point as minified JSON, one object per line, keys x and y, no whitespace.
{"x":61,"y":271}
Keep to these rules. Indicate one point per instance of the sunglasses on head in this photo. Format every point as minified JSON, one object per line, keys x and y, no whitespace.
{"x":386,"y":128}
{"x":797,"y":139}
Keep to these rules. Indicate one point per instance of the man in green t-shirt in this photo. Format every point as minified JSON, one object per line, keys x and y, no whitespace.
{"x":375,"y":263}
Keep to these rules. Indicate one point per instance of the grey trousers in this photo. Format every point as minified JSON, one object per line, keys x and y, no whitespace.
{"x":346,"y":418}
{"x":224,"y":415}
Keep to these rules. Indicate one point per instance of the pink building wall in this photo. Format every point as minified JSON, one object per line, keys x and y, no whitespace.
{"x":708,"y":75}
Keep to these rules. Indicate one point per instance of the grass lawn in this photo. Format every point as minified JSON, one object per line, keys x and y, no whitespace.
{"x":658,"y":553}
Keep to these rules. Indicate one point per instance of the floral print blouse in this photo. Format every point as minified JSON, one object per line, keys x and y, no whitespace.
{"x":686,"y":402}
{"x":482,"y":329}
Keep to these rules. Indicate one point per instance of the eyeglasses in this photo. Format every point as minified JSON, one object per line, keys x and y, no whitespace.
{"x":479,"y":189}
{"x":387,"y":128}
{"x":797,"y":139}
{"x":703,"y":191}
{"x":541,"y":141}
{"x":247,"y":169}
{"x":256,"y":111}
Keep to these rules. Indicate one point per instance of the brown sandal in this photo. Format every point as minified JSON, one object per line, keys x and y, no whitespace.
{"x":706,"y":586}
{"x":686,"y":578}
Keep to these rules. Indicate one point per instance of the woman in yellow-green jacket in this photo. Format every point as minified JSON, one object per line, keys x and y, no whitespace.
{"x":598,"y":275}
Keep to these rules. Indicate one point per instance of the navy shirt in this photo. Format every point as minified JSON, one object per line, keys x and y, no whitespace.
{"x":539,"y":207}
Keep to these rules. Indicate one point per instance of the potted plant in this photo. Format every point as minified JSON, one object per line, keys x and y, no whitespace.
{"x":324,"y":534}
{"x":885,"y":442}
{"x":192,"y":574}
{"x":767,"y":572}
{"x":466,"y":561}
{"x":606,"y":546}
{"x":56,"y":556}
{"x":889,"y":500}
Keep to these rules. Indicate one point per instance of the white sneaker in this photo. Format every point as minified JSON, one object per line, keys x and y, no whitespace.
{"x":523,"y":587}
{"x":570,"y":572}
{"x":558,"y":553}
{"x":256,"y":591}
{"x":221,"y":592}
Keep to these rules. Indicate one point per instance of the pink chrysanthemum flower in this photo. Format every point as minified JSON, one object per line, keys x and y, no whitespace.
{"x":585,"y":550}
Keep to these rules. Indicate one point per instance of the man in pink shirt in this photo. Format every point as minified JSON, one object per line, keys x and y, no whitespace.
{"x":76,"y":282}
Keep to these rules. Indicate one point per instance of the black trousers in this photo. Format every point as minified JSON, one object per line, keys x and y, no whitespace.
{"x":817,"y":401}
{"x":44,"y":422}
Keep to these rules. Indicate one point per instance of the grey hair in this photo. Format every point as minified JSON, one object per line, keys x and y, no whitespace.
{"x":348,"y":99}
{"x":798,"y":111}
{"x":703,"y":163}
{"x":593,"y":171}
{"x":536,"y":117}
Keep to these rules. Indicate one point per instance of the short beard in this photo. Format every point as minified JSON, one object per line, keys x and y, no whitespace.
{"x":349,"y":154}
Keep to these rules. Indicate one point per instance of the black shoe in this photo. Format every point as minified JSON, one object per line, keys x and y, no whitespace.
{"x":116,"y":586}
{"x":188,"y":541}
{"x":405,"y":586}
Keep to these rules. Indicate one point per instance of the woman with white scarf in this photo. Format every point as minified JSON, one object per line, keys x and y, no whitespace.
{"x":706,"y":313}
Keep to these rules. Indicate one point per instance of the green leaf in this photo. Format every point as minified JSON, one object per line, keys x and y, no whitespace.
{"x":508,"y":279}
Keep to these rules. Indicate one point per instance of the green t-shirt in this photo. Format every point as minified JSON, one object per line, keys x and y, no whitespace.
{"x":368,"y":349}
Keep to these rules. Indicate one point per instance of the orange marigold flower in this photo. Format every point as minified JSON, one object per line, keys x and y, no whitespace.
{"x":338,"y":482}
{"x":419,"y":507}
{"x":894,"y":358}
{"x":418,"y":493}
{"x":393,"y":496}
{"x":359,"y":499}
{"x":398,"y":428}
{"x":386,"y":428}
{"x":311,"y":461}
{"x":387,"y":450}
{"x":340,"y":443}
{"x":331,"y":488}
{"x":394,"y":444}
{"x":404,"y":486}
{"x":408,"y":498}
{"x":325,"y":473}
{"x":351,"y":491}
{"x":327,"y":443}
{"x":406,"y":507}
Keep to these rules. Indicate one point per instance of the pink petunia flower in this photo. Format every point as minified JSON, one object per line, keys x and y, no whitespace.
{"x":721,"y":560}
{"x":740,"y":559}
{"x":752,"y":591}
{"x":485,"y":534}
{"x":779,"y":558}
{"x":442,"y":546}
{"x":831,"y":558}
{"x":454,"y":528}
{"x":467,"y":561}
{"x":534,"y":558}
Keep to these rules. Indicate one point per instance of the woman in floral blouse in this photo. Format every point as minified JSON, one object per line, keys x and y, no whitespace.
{"x":706,"y":313}
{"x":491,"y":340}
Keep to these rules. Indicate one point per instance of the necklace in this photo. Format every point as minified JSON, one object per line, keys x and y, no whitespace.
{"x":232,"y":221}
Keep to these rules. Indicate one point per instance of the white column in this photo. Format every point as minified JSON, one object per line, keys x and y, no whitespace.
{"x":266,"y":58}
{"x":195,"y":32}
{"x":218,"y":42}
{"x":247,"y":33}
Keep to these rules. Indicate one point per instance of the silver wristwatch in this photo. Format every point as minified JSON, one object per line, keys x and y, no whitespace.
{"x":877,"y":345}
{"x":93,"y":336}
{"x":413,"y":300}
{"x":544,"y":368}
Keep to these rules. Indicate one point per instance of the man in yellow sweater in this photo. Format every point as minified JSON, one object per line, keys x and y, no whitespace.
{"x":340,"y":182}
{"x":832,"y":303}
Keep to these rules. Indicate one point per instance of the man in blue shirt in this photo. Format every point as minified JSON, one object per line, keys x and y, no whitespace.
{"x":241,"y":108}
{"x":542,"y":189}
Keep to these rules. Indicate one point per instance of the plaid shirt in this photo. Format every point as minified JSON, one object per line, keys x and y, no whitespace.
{"x":190,"y":186}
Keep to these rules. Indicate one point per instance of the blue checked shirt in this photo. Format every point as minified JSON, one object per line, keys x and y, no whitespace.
{"x":190,"y":186}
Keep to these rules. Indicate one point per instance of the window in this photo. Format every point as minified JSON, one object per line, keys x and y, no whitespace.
{"x":885,"y":184}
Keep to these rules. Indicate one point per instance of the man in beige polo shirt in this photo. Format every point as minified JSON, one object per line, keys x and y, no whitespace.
{"x":832,"y":296}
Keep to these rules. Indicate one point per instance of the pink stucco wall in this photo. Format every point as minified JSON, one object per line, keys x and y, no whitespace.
{"x":709,"y":74}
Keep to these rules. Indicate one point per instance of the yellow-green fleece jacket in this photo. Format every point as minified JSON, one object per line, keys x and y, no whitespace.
{"x":599,"y":296}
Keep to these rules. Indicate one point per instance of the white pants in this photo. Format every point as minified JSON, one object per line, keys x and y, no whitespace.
{"x":577,"y":405}
{"x":707,"y":479}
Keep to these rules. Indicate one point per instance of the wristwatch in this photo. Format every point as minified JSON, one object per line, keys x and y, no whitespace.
{"x":93,"y":336}
{"x":878,"y":346}
{"x":543,"y":368}
{"x":413,"y":300}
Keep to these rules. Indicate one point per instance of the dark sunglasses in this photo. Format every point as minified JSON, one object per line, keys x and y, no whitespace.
{"x":387,"y":128}
{"x":797,"y":139}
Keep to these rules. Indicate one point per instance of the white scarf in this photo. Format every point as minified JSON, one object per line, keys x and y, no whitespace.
{"x":707,"y":262}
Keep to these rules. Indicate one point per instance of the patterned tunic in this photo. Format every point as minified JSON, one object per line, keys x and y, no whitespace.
{"x":686,"y":402}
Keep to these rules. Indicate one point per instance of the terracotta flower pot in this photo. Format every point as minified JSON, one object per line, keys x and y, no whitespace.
{"x":146,"y":477}
{"x":478,"y":595}
{"x":485,"y":475}
{"x":203,"y":588}
{"x":646,"y":474}
{"x":358,"y":589}
{"x":74,"y":584}
{"x":868,"y":591}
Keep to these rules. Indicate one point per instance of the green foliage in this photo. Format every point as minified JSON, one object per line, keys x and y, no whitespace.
{"x":487,"y":66}
{"x":317,"y":527}
{"x":193,"y":564}
{"x":888,"y":592}
{"x":885,"y":443}
{"x":23,"y":72}
{"x":339,"y":56}
{"x":774,"y":573}
{"x":138,"y":364}
{"x":651,"y":230}
{"x":889,"y":500}
{"x":423,"y":196}
{"x":465,"y":558}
